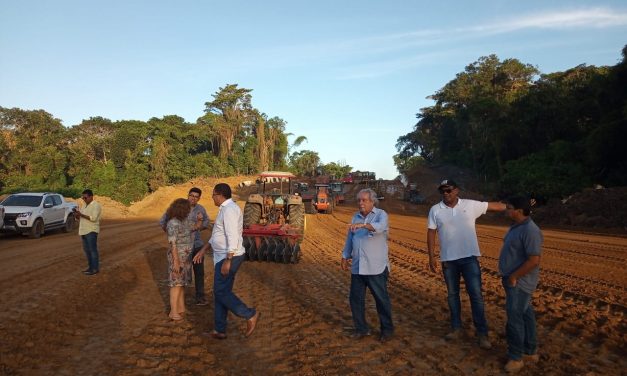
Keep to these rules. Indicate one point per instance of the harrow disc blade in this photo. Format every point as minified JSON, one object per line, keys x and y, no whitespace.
{"x":246,"y":245}
{"x":280,"y":251}
{"x":263,"y":250}
{"x":271,"y":249}
{"x":295,"y":254}
{"x":287,"y":254}
{"x":254,"y":253}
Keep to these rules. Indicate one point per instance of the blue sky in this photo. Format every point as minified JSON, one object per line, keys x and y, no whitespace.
{"x":348,"y":75}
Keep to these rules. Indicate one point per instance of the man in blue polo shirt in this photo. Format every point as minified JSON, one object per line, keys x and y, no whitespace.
{"x":366,"y":255}
{"x":519,"y":265}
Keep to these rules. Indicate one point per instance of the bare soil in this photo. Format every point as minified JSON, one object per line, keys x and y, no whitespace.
{"x":56,"y":321}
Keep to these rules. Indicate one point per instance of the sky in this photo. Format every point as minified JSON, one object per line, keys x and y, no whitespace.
{"x":349,"y":75}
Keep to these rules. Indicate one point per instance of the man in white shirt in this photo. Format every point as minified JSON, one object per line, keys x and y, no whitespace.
{"x":228,"y":254}
{"x":454,"y":221}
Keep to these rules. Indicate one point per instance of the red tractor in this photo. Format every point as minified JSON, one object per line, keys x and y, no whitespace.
{"x":274,"y":220}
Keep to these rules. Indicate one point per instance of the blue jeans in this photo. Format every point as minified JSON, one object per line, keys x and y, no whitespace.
{"x":520,"y":330}
{"x":90,"y":247}
{"x":224,"y":298}
{"x":199,"y":275}
{"x":469,"y":268}
{"x":377,"y":284}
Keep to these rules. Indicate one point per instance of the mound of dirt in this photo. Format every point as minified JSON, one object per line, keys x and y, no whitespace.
{"x":111,"y":209}
{"x":157,"y":202}
{"x":593,"y":208}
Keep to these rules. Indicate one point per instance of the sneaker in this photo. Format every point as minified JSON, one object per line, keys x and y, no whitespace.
{"x":454,"y":335}
{"x":531,"y":358}
{"x":514,"y":366}
{"x":484,"y":342}
{"x":385,"y":337}
{"x":201,"y":302}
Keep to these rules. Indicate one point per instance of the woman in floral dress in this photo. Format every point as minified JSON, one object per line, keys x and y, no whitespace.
{"x":180,"y":237}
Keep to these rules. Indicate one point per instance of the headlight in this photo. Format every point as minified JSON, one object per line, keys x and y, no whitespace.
{"x":24,"y":215}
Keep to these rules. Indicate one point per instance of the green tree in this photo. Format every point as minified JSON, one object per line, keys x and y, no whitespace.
{"x":304,"y":162}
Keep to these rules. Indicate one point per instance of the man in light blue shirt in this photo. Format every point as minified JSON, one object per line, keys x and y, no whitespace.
{"x":366,"y":254}
{"x":228,"y":255}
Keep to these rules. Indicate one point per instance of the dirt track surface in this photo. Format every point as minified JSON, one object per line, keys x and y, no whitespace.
{"x":56,"y":321}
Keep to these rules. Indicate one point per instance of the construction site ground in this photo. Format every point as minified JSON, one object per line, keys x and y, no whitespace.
{"x":57,"y":321}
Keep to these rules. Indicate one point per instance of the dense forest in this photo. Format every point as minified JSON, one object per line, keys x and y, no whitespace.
{"x":127,"y":159}
{"x":519,"y":130}
{"x":524,"y":132}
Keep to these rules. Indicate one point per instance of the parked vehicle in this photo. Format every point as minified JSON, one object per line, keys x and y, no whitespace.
{"x":1,"y":217}
{"x":37,"y":212}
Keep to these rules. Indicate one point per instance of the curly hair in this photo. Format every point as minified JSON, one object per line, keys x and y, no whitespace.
{"x":179,"y":209}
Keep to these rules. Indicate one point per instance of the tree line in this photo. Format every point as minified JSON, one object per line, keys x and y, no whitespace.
{"x":127,"y":159}
{"x":525,"y":132}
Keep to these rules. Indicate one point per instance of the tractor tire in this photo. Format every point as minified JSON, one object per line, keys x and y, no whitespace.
{"x":331,"y":207}
{"x":252,"y":214}
{"x":37,"y":230}
{"x":69,"y":223}
{"x":297,"y":217}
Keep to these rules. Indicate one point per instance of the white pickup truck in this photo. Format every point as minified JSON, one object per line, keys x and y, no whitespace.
{"x":34,"y":213}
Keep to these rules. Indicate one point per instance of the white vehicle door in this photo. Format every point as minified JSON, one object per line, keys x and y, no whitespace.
{"x":59,"y":209}
{"x":48,"y":213}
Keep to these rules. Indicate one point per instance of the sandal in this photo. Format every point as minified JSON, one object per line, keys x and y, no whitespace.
{"x":176,"y":317}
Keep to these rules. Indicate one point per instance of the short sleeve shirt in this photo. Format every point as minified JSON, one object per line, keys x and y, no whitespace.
{"x":456,"y":228}
{"x":521,"y":241}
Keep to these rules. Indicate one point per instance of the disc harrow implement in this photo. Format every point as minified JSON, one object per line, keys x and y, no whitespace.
{"x":274,"y":243}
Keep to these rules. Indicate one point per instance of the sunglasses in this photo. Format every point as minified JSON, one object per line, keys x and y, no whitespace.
{"x":446,"y":190}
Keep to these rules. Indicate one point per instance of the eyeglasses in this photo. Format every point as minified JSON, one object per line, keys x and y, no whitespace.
{"x":194,"y":196}
{"x":446,"y":190}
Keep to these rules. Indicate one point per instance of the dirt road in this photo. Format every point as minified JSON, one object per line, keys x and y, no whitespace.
{"x":56,"y":321}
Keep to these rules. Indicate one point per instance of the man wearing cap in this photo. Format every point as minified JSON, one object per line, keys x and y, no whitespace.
{"x":454,"y":221}
{"x":519,"y":265}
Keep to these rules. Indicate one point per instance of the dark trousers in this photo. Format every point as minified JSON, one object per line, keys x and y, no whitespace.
{"x":224,"y":298}
{"x":199,"y":275}
{"x":377,"y":284}
{"x":90,"y":247}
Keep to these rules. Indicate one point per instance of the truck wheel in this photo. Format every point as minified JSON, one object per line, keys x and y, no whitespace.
{"x":252,"y":214}
{"x":37,"y":229}
{"x":69,"y":224}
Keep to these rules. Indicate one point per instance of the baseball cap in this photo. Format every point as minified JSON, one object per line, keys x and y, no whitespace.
{"x":447,"y":183}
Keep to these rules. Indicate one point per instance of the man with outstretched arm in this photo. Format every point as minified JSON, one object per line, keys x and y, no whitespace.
{"x":453,"y":219}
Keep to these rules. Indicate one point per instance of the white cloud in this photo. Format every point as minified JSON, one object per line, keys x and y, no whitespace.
{"x":384,"y":51}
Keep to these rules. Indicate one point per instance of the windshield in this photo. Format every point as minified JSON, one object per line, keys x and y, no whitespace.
{"x":15,"y":200}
